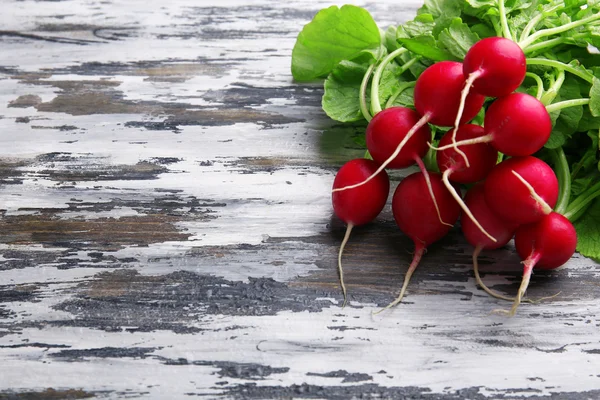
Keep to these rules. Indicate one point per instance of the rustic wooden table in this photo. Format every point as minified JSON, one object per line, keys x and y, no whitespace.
{"x":167,"y":230}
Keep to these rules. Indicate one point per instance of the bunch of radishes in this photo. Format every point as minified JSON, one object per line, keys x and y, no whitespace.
{"x":511,"y":198}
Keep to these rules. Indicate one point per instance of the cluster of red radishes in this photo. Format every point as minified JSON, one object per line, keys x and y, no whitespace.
{"x":513,"y":198}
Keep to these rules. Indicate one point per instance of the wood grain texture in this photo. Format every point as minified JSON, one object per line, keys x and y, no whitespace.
{"x":167,"y":231}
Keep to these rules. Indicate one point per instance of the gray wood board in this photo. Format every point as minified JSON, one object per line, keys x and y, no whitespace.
{"x":167,"y":230}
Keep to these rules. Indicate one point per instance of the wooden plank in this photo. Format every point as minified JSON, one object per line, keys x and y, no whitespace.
{"x":167,"y":230}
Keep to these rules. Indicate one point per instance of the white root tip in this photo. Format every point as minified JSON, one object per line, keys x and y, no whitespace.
{"x":413,"y":265}
{"x":546,"y":209}
{"x":462,"y":204}
{"x":340,"y":269}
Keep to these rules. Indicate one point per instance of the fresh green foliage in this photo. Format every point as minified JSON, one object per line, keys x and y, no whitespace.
{"x":335,"y":34}
{"x":588,"y":232}
{"x":342,"y":45}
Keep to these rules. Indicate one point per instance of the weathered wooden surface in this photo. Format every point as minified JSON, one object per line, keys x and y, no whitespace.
{"x":166,"y":228}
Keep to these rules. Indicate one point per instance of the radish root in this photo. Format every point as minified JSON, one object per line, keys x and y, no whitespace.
{"x":481,"y":139}
{"x":529,"y":264}
{"x":462,"y":204}
{"x":419,"y":251}
{"x":491,"y":292}
{"x":461,"y":108}
{"x":423,"y":121}
{"x":430,"y":188}
{"x":546,"y":209}
{"x":340,"y":269}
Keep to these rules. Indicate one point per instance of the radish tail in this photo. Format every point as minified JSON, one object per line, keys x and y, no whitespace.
{"x":462,"y":204}
{"x":546,"y":209}
{"x":410,"y":134}
{"x":533,"y":258}
{"x":461,"y":108}
{"x":425,"y":173}
{"x":481,"y":139}
{"x":419,"y":251}
{"x":340,"y":269}
{"x":489,"y":291}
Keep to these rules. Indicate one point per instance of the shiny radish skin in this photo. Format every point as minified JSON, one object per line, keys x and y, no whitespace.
{"x":437,"y":94}
{"x":415,"y":213}
{"x":416,"y":216}
{"x":545,"y":244}
{"x":500,"y":228}
{"x":518,"y":123}
{"x":386,"y":131}
{"x":501,"y":64}
{"x":510,"y":199}
{"x":360,"y":205}
{"x":553,"y":237}
{"x":482,"y":156}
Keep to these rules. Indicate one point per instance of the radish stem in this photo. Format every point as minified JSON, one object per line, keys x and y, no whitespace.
{"x":504,"y":21}
{"x":375,"y":105}
{"x":554,"y":31}
{"x":561,"y":166}
{"x":567,"y":103}
{"x":539,"y":82}
{"x":364,"y":108}
{"x":562,"y":66}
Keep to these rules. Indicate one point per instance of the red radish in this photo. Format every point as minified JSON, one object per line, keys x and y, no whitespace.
{"x":437,"y":94}
{"x":388,"y":129}
{"x":545,"y":244}
{"x":361,"y":205}
{"x":495,"y":65}
{"x":521,"y":189}
{"x":414,"y":212}
{"x":492,"y":67}
{"x":517,"y":125}
{"x":483,"y":158}
{"x":437,"y":90}
{"x":501,"y":229}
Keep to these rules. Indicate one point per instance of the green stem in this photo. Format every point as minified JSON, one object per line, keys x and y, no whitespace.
{"x":555,"y":31}
{"x":582,"y":201}
{"x":560,"y":65}
{"x":364,"y":108}
{"x":567,"y":103}
{"x":536,"y":20}
{"x":546,"y":44}
{"x":579,"y":213}
{"x":539,"y":82}
{"x":561,"y":167}
{"x":504,"y":21}
{"x":402,"y":88}
{"x":552,"y":92}
{"x":375,"y":105}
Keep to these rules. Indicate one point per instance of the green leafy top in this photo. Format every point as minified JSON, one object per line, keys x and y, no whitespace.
{"x":335,"y":34}
{"x":367,"y":69}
